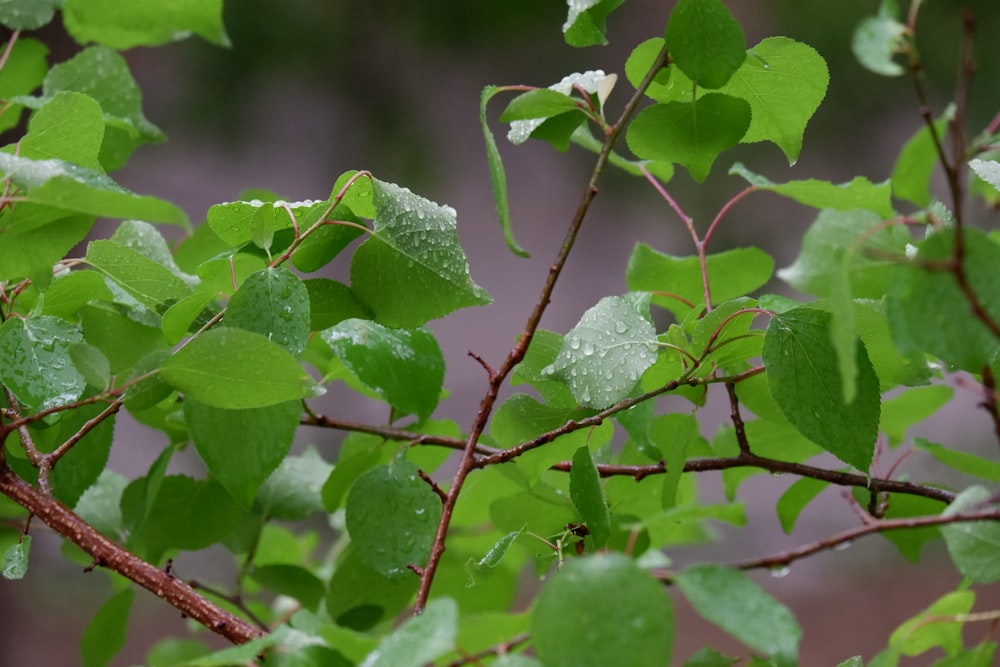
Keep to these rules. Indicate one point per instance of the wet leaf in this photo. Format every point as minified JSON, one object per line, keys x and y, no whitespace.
{"x":37,"y":364}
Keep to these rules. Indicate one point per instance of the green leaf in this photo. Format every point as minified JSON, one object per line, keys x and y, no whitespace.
{"x":359,"y":597}
{"x":707,"y":657}
{"x":37,"y":366}
{"x":641,"y":60}
{"x":843,"y":241}
{"x":794,"y":500}
{"x":420,"y":640}
{"x":291,"y":580}
{"x":598,"y":609}
{"x":588,"y":495}
{"x":970,"y":464}
{"x":492,"y":558}
{"x":859,"y":193}
{"x":237,"y":222}
{"x":911,"y":175}
{"x":974,"y":546}
{"x":30,"y":252}
{"x":928,"y":630}
{"x":392,"y":516}
{"x":232,"y":368}
{"x":988,"y":170}
{"x":105,"y":634}
{"x":805,"y":382}
{"x":125,"y":25}
{"x":122,"y":340}
{"x":275,"y":304}
{"x":979,"y":656}
{"x":82,"y":465}
{"x":100,"y":505}
{"x":331,"y":302}
{"x":731,"y":600}
{"x":705,"y":42}
{"x":319,"y":248}
{"x":403,"y":366}
{"x":928,"y":311}
{"x":498,"y":176}
{"x":70,"y":127}
{"x":901,"y":412}
{"x":541,"y":103}
{"x":14,"y":564}
{"x":294,"y":490}
{"x":27,"y":14}
{"x":169,"y":652}
{"x":149,"y":282}
{"x":784,"y":82}
{"x":585,"y":21}
{"x":411,"y":269}
{"x":70,"y":291}
{"x":23,"y":72}
{"x":249,"y":652}
{"x":604,"y":355}
{"x":147,"y":240}
{"x":521,"y":130}
{"x":731,"y":274}
{"x":692,"y":134}
{"x":241,"y":448}
{"x":877,"y":39}
{"x":911,"y":542}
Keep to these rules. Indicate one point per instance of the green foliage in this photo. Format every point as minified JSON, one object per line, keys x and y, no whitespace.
{"x":221,"y":344}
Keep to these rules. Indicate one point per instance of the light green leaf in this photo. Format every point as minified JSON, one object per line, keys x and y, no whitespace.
{"x":692,"y":134}
{"x":588,"y":495}
{"x":604,"y":355}
{"x":970,"y":464}
{"x":30,"y":251}
{"x":731,"y":274}
{"x":877,"y":39}
{"x":14,"y":564}
{"x":292,"y":580}
{"x":23,"y":72}
{"x":100,"y":505}
{"x":498,"y":176}
{"x":794,"y":500}
{"x":105,"y":634}
{"x":911,"y":175}
{"x":928,"y":311}
{"x":294,"y":490}
{"x":27,"y":14}
{"x":974,"y":546}
{"x":805,"y":382}
{"x":705,"y":42}
{"x":901,"y":412}
{"x":403,"y":366}
{"x":707,"y":657}
{"x":122,"y":340}
{"x":412,"y":269}
{"x":420,"y":640}
{"x":638,"y":64}
{"x":544,"y":349}
{"x":69,"y":127}
{"x":731,"y":600}
{"x":784,"y":82}
{"x":859,"y":193}
{"x":147,"y":240}
{"x":928,"y":630}
{"x":598,"y":609}
{"x":241,"y":448}
{"x":392,"y":516}
{"x":492,"y":559}
{"x":236,"y":222}
{"x":542,"y":103}
{"x":125,"y":25}
{"x":149,"y":282}
{"x":232,"y":368}
{"x":37,"y":366}
{"x":275,"y":304}
{"x":988,"y":170}
{"x":585,"y":21}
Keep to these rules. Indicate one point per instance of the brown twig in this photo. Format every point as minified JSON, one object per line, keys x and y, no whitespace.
{"x":734,"y":413}
{"x":500,"y":649}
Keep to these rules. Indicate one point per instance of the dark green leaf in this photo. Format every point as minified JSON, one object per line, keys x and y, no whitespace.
{"x":693,"y":133}
{"x":275,"y":304}
{"x":420,"y":640}
{"x":638,"y":64}
{"x":241,"y":448}
{"x":291,"y":580}
{"x":411,"y":269}
{"x":805,"y":382}
{"x":707,"y":657}
{"x":37,"y":366}
{"x":236,"y":222}
{"x":585,"y":21}
{"x":169,"y":652}
{"x":392,"y":516}
{"x":974,"y":546}
{"x":23,"y":72}
{"x":498,"y":176}
{"x":232,"y":368}
{"x":599,"y":609}
{"x":294,"y":490}
{"x":604,"y":355}
{"x":911,"y":542}
{"x":359,"y":598}
{"x":731,"y":600}
{"x":558,"y":133}
{"x":331,"y":302}
{"x":403,"y":366}
{"x":122,"y":340}
{"x":81,"y":466}
{"x":105,"y":635}
{"x":588,"y":495}
{"x":542,"y":103}
{"x":123,"y":25}
{"x":15,"y":559}
{"x":705,"y":41}
{"x":928,"y":311}
{"x":325,"y":243}
{"x":71,"y":291}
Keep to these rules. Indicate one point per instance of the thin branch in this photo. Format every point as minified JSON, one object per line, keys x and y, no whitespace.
{"x":734,"y":414}
{"x":115,"y":557}
{"x":500,"y":649}
{"x":236,"y":600}
{"x":87,"y":427}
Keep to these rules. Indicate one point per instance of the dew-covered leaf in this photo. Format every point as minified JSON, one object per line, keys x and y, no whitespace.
{"x":233,"y":368}
{"x":238,"y":222}
{"x":585,"y":21}
{"x":974,"y":546}
{"x":542,"y":351}
{"x":69,"y":127}
{"x":731,"y":600}
{"x":692,"y":134}
{"x":784,"y":82}
{"x":37,"y":366}
{"x":147,"y":281}
{"x":14,"y":564}
{"x":27,"y":14}
{"x":676,"y":282}
{"x":590,"y":81}
{"x":392,"y":515}
{"x":541,"y":103}
{"x":928,"y":311}
{"x":604,"y":355}
{"x":988,"y":170}
{"x":805,"y":381}
{"x":403,"y":366}
{"x":241,"y":448}
{"x":411,"y":269}
{"x":877,"y":39}
{"x":705,"y":42}
{"x":420,"y":640}
{"x":275,"y":304}
{"x":105,"y":634}
{"x":600,"y":608}
{"x":859,"y":193}
{"x":588,"y":495}
{"x":123,"y":25}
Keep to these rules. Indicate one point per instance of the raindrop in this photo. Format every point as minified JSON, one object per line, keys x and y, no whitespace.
{"x":574,"y":343}
{"x":588,"y":348}
{"x":843,"y":545}
{"x":621,"y":327}
{"x":780,"y":571}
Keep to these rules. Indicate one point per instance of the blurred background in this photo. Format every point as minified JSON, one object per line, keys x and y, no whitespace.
{"x":312,"y":89}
